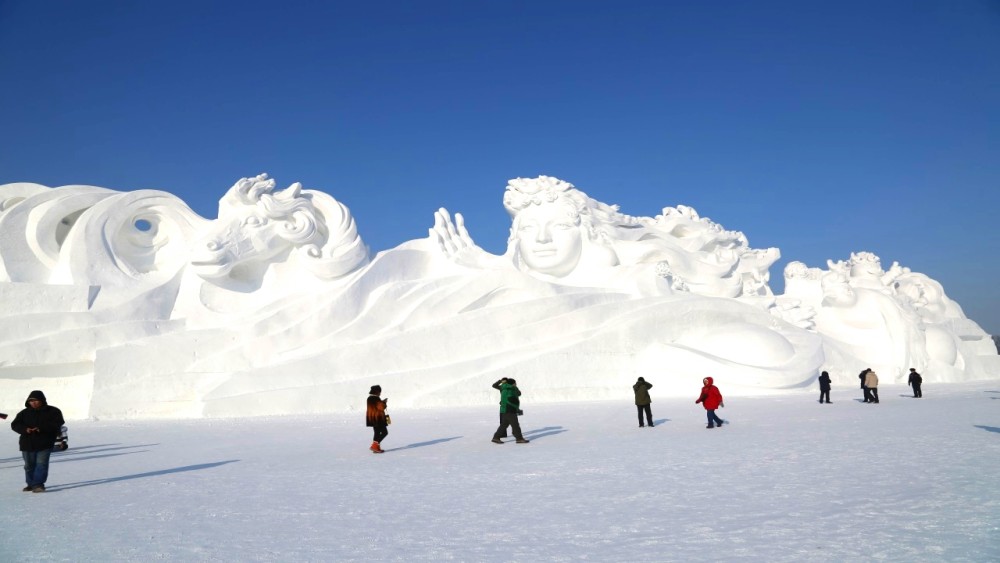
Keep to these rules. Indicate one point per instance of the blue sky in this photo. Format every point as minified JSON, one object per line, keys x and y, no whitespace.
{"x":821,"y":128}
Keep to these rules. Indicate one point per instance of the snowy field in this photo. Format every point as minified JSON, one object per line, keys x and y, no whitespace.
{"x":787,"y":480}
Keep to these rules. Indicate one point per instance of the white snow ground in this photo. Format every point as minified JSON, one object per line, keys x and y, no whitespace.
{"x":788,"y":480}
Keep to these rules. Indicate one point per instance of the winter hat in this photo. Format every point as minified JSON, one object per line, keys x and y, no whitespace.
{"x":511,"y":381}
{"x":35,"y":395}
{"x":375,"y":390}
{"x":824,"y":373}
{"x":642,"y":380}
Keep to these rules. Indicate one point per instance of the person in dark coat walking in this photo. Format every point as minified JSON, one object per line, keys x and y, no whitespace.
{"x":711,"y":399}
{"x":914,"y":381}
{"x":642,"y":401}
{"x":510,"y":408}
{"x":39,"y":425}
{"x":824,"y":387}
{"x":864,"y":389}
{"x":376,"y":418}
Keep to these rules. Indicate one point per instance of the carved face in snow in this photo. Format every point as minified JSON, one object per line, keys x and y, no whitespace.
{"x":549,"y":238}
{"x":254,"y":237}
{"x":255,"y":227}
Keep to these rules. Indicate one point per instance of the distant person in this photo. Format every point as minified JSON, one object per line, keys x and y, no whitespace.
{"x":871,"y":382}
{"x":864,"y":388}
{"x":497,"y":387}
{"x":914,"y":381}
{"x":642,"y":401}
{"x":510,"y":409}
{"x":376,"y":418}
{"x":711,"y":399}
{"x":39,"y":425}
{"x":824,"y":387}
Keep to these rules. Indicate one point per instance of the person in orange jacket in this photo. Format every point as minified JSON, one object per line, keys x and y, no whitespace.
{"x":376,"y":419}
{"x":711,"y":399}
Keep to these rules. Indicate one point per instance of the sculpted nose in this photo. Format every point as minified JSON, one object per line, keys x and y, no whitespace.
{"x":543,"y":235}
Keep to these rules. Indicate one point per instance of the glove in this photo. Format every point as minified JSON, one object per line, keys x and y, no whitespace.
{"x":520,"y":412}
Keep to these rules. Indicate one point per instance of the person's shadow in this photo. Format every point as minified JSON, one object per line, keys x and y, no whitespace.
{"x":543,"y":432}
{"x":661,"y":421}
{"x":83,"y":452}
{"x":988,"y":428}
{"x":422,"y":444}
{"x":198,"y":467}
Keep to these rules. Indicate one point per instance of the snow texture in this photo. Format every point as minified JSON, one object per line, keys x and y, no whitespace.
{"x":787,"y":480}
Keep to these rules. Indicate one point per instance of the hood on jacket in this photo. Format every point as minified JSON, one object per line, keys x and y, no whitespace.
{"x":35,"y":395}
{"x":707,"y":381}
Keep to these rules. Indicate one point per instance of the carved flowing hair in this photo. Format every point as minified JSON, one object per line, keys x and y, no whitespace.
{"x":321,"y":228}
{"x":598,"y":220}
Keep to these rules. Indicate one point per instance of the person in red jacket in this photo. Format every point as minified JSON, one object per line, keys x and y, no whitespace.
{"x":711,"y":399}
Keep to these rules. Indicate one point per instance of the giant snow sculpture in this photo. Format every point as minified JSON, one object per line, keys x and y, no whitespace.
{"x":130,"y":305}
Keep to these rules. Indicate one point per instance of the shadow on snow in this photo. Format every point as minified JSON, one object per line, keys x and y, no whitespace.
{"x":200,"y":466}
{"x":81,"y":453}
{"x":422,"y":444}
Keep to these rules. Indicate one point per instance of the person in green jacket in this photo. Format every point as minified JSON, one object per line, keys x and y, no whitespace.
{"x":510,"y":408}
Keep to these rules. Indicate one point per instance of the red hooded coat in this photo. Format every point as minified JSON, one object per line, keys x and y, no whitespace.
{"x":710,"y":396}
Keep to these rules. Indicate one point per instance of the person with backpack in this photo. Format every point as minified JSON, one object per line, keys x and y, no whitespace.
{"x":510,"y":409}
{"x":39,"y":425}
{"x":642,"y":401}
{"x":711,"y":399}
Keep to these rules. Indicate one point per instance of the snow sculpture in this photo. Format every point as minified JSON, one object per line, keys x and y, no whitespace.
{"x":559,"y":234}
{"x":140,"y":308}
{"x":264,"y":246}
{"x":258,"y":229}
{"x":889,"y":321}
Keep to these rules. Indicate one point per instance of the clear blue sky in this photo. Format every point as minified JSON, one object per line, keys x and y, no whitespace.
{"x":821,"y":128}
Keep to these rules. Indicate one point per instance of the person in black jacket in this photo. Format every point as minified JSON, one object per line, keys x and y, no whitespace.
{"x":824,"y":387}
{"x":864,"y":389}
{"x":914,"y":381}
{"x":39,"y":425}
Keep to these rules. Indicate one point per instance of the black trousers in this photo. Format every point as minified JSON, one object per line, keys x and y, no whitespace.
{"x":824,"y":393}
{"x":508,"y":419}
{"x":874,"y":394}
{"x":649,"y":414}
{"x":868,"y":394}
{"x":916,"y":390}
{"x":381,"y":431}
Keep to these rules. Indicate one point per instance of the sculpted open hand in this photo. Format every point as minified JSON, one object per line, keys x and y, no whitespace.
{"x":455,"y":241}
